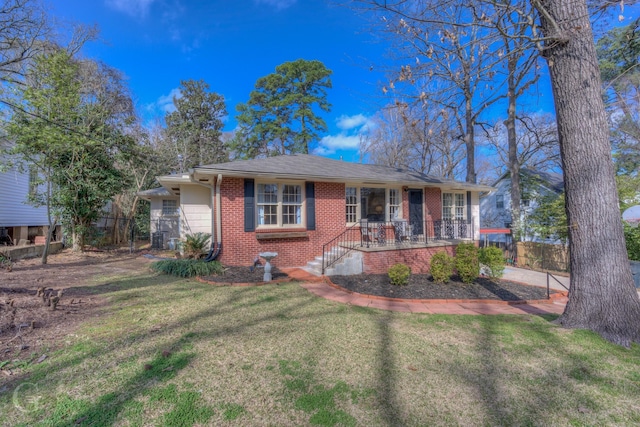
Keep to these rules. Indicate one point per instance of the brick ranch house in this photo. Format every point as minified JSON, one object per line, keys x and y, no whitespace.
{"x":318,"y":212}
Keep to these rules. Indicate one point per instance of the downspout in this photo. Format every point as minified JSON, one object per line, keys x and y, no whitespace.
{"x":216,"y":232}
{"x":216,"y":221}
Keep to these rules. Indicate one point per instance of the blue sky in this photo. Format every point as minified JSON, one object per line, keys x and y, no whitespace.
{"x":230,"y":44}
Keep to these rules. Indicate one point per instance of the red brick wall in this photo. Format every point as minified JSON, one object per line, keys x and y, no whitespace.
{"x":405,"y":204}
{"x":419,"y":259}
{"x":241,"y":248}
{"x":433,"y":202}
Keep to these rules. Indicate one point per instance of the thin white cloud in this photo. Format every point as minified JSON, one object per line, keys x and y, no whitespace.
{"x":321,"y":151}
{"x":350,"y":122}
{"x":340,"y":142}
{"x":135,"y":8}
{"x":165,"y":102}
{"x":278,"y":4}
{"x":358,"y":123}
{"x":352,"y":129}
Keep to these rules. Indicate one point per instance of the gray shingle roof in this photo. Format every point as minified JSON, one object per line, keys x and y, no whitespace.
{"x":308,"y":167}
{"x":554,"y":181}
{"x":160,"y":191}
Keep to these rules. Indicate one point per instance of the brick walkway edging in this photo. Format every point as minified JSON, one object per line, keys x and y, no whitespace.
{"x":553,"y":298}
{"x":300,"y":275}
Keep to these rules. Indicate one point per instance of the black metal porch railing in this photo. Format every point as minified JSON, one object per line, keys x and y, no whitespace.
{"x":393,"y":233}
{"x":403,"y":232}
{"x":341,"y":245}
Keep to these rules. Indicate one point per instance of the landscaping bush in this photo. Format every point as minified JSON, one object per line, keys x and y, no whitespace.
{"x":466,"y":262}
{"x":493,"y":258}
{"x":195,"y":245}
{"x":187,"y":267}
{"x":441,"y":267}
{"x":399,"y":274}
{"x":632,"y":238}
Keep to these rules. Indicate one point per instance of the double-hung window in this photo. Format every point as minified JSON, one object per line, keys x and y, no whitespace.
{"x":453,"y":206}
{"x":279,"y":204}
{"x":394,"y":204}
{"x":352,"y":204}
{"x":291,"y":204}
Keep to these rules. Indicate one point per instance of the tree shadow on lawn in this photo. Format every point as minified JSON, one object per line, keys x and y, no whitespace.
{"x":387,"y":380}
{"x":109,"y":407}
{"x":106,"y":409}
{"x":539,"y":396}
{"x":497,"y":290}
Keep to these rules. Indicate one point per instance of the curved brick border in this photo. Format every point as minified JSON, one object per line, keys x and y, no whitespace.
{"x":555,"y":296}
{"x":558,"y":295}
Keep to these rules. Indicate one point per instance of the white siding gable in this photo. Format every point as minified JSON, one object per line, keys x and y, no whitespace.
{"x":14,"y":209}
{"x":195,"y":204}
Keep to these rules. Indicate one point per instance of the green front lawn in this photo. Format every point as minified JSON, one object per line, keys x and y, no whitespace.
{"x":175,"y":352}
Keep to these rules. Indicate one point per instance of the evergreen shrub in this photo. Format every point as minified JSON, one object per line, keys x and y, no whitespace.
{"x":493,"y":258}
{"x":187,"y":267}
{"x":399,"y":274}
{"x":195,"y":245}
{"x":467,"y":263}
{"x":441,"y":267}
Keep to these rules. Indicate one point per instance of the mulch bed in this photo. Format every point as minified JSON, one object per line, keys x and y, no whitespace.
{"x":237,"y":275}
{"x":420,"y":285}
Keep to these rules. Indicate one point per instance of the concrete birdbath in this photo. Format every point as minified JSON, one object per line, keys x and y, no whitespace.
{"x":268,"y":256}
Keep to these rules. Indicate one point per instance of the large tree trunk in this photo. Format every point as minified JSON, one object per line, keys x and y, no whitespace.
{"x":512,"y":140}
{"x":76,"y":237}
{"x":602,"y":296}
{"x":45,"y":250}
{"x":469,"y":140}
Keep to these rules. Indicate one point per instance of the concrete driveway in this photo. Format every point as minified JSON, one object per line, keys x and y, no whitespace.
{"x":535,"y":278}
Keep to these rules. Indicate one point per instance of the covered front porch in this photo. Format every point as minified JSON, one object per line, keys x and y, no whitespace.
{"x":399,"y":241}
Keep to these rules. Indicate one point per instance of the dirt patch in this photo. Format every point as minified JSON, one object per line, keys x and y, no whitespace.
{"x":421,"y":286}
{"x":28,"y":326}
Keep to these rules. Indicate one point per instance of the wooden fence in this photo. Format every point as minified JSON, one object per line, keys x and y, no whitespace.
{"x":543,"y":256}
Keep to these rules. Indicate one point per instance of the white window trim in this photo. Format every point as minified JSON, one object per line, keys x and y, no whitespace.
{"x":453,"y":206}
{"x":176,"y":212}
{"x":279,"y":210}
{"x":358,"y":187}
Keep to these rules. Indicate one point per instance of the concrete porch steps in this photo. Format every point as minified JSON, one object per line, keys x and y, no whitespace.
{"x":349,"y":264}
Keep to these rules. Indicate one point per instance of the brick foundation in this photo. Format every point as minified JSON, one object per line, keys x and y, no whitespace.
{"x":419,"y":259}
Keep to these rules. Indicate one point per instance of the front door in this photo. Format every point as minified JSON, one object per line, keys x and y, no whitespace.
{"x":416,"y":217}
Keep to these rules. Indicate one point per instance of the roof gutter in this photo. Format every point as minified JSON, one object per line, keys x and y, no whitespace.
{"x":282,"y":175}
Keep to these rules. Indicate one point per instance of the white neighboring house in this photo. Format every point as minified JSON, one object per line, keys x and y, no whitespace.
{"x":20,"y":221}
{"x":495,"y":207}
{"x":166,"y":223}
